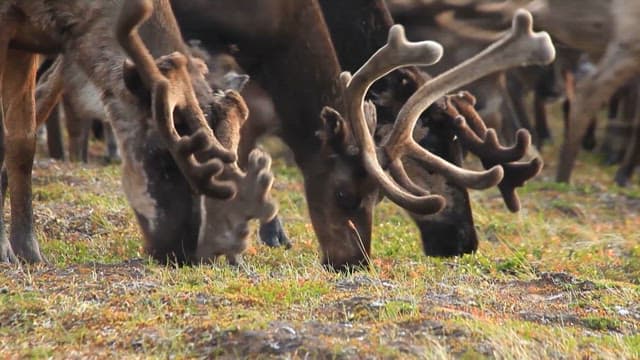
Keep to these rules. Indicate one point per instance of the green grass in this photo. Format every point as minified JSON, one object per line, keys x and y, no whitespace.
{"x":560,"y":279}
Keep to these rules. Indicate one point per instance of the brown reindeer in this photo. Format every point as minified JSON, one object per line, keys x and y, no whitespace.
{"x":159,"y":113}
{"x":224,"y":223}
{"x":340,"y":181}
{"x":358,"y":29}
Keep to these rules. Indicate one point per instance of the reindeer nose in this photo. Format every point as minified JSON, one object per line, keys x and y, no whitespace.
{"x":242,"y":231}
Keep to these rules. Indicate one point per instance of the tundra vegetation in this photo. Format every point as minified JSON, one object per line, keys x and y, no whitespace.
{"x":560,"y":279}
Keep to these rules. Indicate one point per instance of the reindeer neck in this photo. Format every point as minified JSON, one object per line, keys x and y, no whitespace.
{"x":302,"y":77}
{"x":161,"y":33}
{"x":94,"y":47}
{"x":358,"y":29}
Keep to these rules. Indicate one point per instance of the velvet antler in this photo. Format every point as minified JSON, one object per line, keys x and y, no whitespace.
{"x":518,"y":47}
{"x":484,"y":143}
{"x":198,"y":155}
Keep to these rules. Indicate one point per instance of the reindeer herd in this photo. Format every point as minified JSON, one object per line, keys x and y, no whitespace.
{"x":336,"y":80}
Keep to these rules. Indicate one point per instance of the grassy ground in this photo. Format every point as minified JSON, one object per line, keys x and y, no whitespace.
{"x":561,"y":279}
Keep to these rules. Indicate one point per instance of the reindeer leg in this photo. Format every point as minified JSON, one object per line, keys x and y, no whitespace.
{"x":516,"y":94}
{"x":48,"y":94}
{"x":542,"y":133}
{"x":20,"y":124}
{"x":272,"y":234}
{"x":6,"y":253}
{"x":78,"y":131}
{"x":113,"y":154}
{"x":55,"y":144}
{"x":617,"y":66}
{"x":612,"y":129}
{"x":632,"y":153}
{"x":589,"y":139}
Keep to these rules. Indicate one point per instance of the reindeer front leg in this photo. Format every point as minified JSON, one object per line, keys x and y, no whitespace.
{"x":19,"y":144}
{"x":6,"y":254}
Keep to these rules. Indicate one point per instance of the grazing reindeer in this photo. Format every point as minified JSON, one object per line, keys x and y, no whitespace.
{"x":340,"y":181}
{"x":224,"y":223}
{"x":358,"y":29}
{"x":159,"y":112}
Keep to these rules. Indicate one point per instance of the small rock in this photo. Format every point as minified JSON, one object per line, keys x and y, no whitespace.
{"x":622,"y":311}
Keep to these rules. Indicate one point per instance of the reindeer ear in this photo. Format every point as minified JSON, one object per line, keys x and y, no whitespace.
{"x":133,"y":81}
{"x":235,"y":81}
{"x":408,"y":83}
{"x":333,"y":132}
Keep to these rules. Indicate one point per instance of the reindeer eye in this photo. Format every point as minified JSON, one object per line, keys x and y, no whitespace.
{"x":346,"y":200}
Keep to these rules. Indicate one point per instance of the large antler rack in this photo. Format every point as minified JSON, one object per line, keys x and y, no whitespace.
{"x":519,"y":47}
{"x":200,"y":155}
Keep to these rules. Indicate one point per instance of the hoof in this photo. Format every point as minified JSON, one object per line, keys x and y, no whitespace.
{"x":272,"y":234}
{"x":6,"y":254}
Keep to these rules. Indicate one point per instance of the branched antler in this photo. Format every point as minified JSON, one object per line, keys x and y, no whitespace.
{"x":519,"y":47}
{"x":484,"y":143}
{"x":259,"y":180}
{"x":198,"y":155}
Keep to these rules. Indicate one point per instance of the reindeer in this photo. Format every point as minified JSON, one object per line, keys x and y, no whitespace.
{"x":81,"y":106}
{"x":358,"y":28}
{"x":171,"y":156}
{"x":619,"y":63}
{"x":340,"y":181}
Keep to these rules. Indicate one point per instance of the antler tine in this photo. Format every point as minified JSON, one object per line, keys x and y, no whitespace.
{"x":399,"y":174}
{"x":133,"y":14}
{"x":259,"y":173}
{"x":484,"y":143}
{"x":198,"y":155}
{"x":198,"y":175}
{"x":521,"y":46}
{"x":478,"y":139}
{"x":515,"y":175}
{"x":396,"y":53}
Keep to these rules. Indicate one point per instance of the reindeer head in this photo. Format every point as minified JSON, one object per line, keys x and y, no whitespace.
{"x":178,"y":157}
{"x":383,"y":162}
